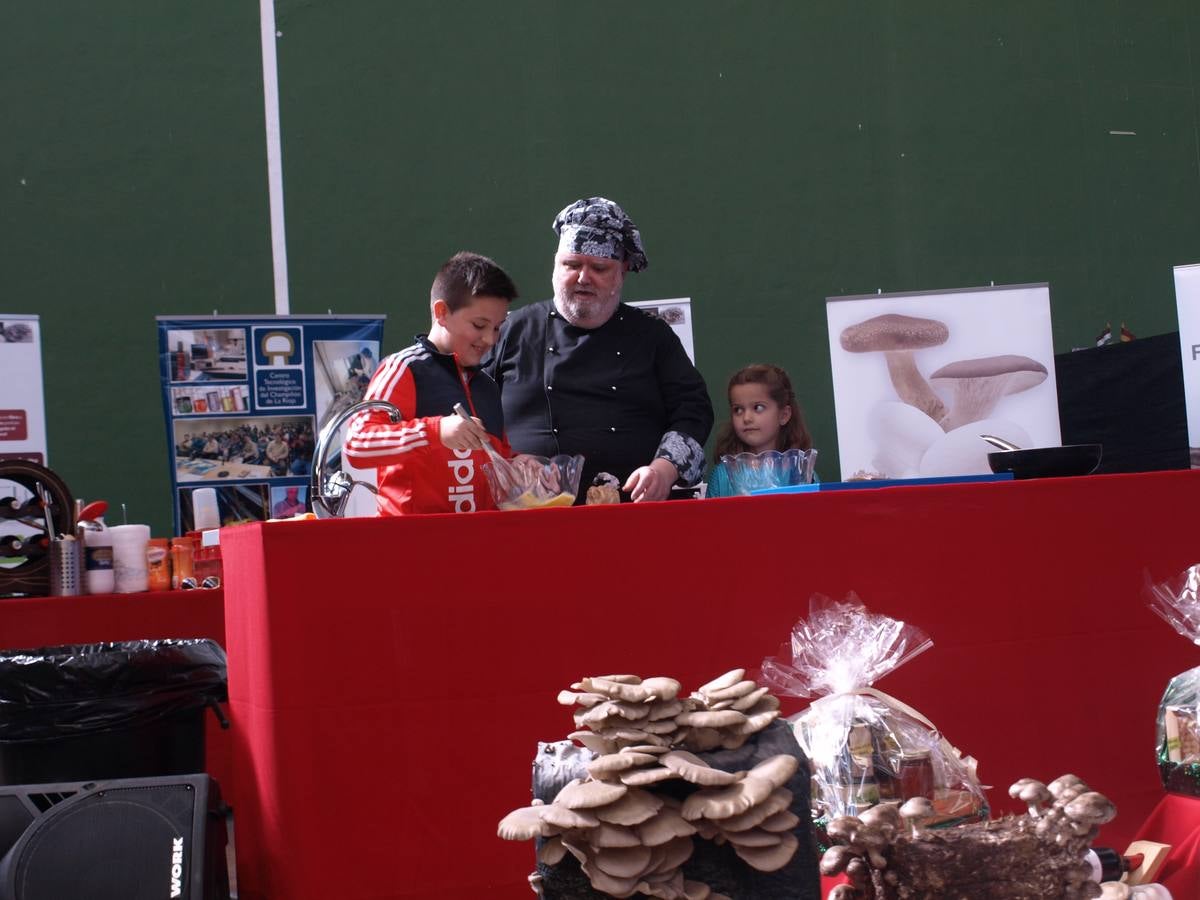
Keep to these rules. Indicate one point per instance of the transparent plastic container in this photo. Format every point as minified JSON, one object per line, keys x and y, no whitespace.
{"x":772,"y":469}
{"x":534,"y":482}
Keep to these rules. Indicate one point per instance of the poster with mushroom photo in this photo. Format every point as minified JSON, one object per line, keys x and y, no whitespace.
{"x":1187,"y":297}
{"x":677,"y":313}
{"x":918,"y":377}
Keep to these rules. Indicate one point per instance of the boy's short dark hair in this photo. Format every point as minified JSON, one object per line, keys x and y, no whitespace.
{"x":466,"y":275}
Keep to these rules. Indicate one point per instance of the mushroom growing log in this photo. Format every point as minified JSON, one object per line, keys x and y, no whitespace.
{"x":1035,"y":857}
{"x":642,"y":844}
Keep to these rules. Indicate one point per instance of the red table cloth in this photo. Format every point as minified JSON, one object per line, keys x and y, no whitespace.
{"x":1176,"y":821}
{"x":390,"y":679}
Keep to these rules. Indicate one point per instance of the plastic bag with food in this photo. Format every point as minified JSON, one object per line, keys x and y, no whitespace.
{"x":1177,"y":602}
{"x":532,"y":482}
{"x":865,"y":746}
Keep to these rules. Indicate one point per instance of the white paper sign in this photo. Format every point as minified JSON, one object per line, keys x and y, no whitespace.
{"x":918,"y":377}
{"x":1187,"y":298}
{"x":22,"y":408}
{"x":678,"y":314}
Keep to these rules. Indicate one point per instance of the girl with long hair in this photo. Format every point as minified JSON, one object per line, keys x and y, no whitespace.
{"x":763,"y":415}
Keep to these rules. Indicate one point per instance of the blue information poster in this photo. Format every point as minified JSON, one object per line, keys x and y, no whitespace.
{"x":245,"y":398}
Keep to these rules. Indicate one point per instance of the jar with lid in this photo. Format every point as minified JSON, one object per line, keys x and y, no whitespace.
{"x":916,"y":774}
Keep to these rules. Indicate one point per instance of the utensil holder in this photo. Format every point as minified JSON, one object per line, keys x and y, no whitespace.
{"x":65,"y":577}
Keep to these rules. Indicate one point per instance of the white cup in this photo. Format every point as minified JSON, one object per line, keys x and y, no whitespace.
{"x":129,"y":558}
{"x":205,"y":514}
{"x":98,"y":560}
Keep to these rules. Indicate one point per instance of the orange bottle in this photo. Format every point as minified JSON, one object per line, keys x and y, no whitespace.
{"x":158,"y":564}
{"x":181,"y":561}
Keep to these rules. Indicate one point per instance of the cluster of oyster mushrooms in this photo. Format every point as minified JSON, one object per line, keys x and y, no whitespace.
{"x":886,"y":853}
{"x":616,"y":711}
{"x":632,"y":839}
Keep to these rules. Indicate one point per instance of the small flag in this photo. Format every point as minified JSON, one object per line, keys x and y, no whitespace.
{"x":1126,"y":334}
{"x":1104,"y":337}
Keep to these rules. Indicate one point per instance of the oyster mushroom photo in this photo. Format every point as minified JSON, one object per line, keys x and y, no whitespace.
{"x":977,"y":385}
{"x":898,"y":338}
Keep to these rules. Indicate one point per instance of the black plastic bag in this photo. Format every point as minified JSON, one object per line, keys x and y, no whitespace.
{"x":79,"y":689}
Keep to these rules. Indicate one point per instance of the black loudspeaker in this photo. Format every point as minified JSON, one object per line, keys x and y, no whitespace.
{"x":128,"y":839}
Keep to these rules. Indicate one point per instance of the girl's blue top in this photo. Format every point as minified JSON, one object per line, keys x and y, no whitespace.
{"x":718,"y":482}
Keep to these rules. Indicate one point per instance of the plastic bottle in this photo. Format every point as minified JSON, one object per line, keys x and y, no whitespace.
{"x":158,"y":564}
{"x":98,"y":560}
{"x":181,"y":560}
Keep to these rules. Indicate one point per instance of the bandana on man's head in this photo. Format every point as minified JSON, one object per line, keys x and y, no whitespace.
{"x":598,"y":227}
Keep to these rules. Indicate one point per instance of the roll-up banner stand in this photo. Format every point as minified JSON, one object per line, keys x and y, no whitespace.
{"x":22,"y":408}
{"x":917,"y":377}
{"x":245,"y":398}
{"x":1187,"y":298}
{"x":678,"y":314}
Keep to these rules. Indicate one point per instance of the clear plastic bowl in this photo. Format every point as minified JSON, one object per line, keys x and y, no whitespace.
{"x":534,"y":482}
{"x":757,"y":471}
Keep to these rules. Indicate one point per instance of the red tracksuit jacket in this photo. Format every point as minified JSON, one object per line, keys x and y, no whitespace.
{"x":417,"y":472}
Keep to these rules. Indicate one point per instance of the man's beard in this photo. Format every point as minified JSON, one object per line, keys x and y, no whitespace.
{"x":588,"y":310}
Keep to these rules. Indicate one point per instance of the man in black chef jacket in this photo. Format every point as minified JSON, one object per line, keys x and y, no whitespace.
{"x":585,"y":373}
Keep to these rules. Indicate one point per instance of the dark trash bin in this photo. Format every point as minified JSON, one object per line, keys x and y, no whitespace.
{"x":113,"y":710}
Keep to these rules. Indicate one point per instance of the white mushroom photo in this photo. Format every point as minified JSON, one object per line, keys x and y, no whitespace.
{"x":912,"y":370}
{"x":977,"y":385}
{"x":897,"y":338}
{"x":963,"y":452}
{"x":902,"y":434}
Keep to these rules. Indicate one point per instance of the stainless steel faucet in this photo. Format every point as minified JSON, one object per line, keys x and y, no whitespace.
{"x":330,"y":496}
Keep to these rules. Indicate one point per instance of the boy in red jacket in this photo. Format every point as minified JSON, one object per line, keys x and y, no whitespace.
{"x":430,"y":461}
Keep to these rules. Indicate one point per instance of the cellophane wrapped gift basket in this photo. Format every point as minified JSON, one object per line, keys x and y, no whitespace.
{"x":1177,"y":601}
{"x":865,"y":746}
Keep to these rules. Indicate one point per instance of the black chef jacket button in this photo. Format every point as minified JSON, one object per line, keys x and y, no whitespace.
{"x":612,"y":428}
{"x":550,"y":349}
{"x":614,"y":387}
{"x":549,"y":387}
{"x":618,"y":353}
{"x":555,"y":430}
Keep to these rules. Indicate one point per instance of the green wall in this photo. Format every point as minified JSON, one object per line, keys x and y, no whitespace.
{"x":772,"y":154}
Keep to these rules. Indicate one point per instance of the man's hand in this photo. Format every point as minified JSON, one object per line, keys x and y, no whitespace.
{"x":458,"y":433}
{"x":652,"y":482}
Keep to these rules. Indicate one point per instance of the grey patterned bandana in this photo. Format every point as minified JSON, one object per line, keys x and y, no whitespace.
{"x":598,"y":227}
